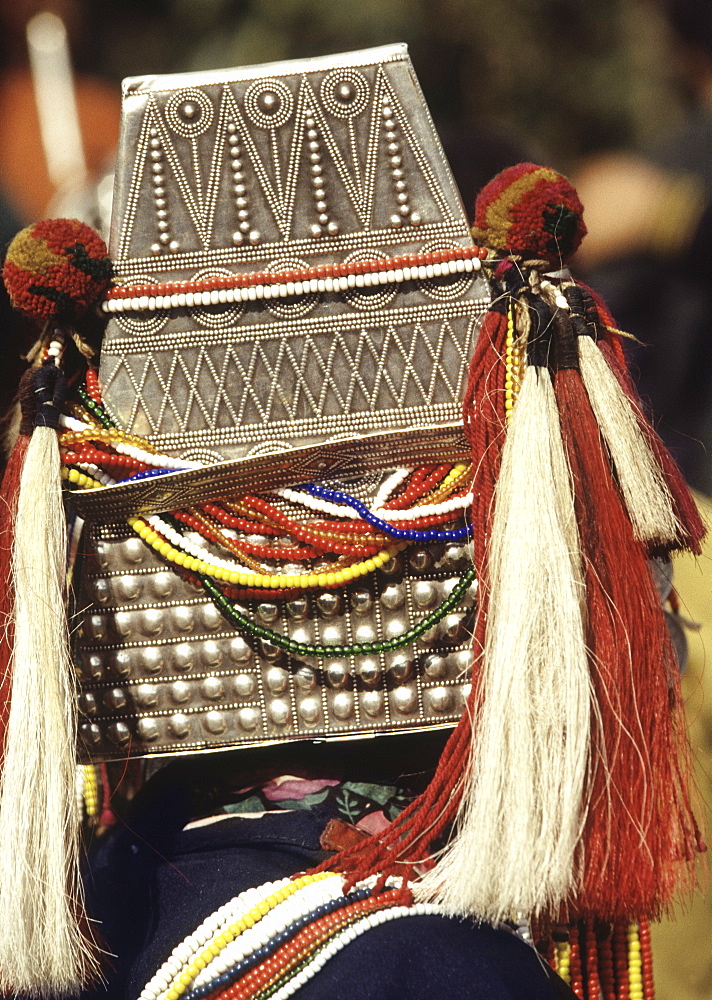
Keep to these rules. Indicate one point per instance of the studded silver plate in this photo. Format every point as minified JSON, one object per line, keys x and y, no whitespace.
{"x":282,"y":167}
{"x":162,"y":671}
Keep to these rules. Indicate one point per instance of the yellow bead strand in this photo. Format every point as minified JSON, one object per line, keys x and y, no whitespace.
{"x":249,"y":919}
{"x":90,"y":790}
{"x":108,"y":435}
{"x":513,"y":366}
{"x":563,"y":960}
{"x":279,"y":581}
{"x":80,"y":479}
{"x":635,"y":965}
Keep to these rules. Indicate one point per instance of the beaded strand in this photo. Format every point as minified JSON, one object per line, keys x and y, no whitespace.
{"x":268,"y":941}
{"x":244,"y":624}
{"x":221,"y":289}
{"x":216,"y":932}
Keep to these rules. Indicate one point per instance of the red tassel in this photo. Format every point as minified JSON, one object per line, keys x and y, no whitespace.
{"x":8,"y":509}
{"x":407,"y":841}
{"x":640,"y":830}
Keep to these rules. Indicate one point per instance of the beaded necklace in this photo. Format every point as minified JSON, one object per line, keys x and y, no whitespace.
{"x":348,"y":541}
{"x":270,"y":940}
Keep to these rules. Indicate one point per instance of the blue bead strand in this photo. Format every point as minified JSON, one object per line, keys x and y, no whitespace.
{"x":401,"y":534}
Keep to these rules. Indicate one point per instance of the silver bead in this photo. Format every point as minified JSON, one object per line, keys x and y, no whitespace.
{"x":310,"y":710}
{"x":270,"y":651}
{"x":146,"y":695}
{"x":211,"y":653}
{"x":298,"y":608}
{"x":279,"y":712}
{"x":343,"y":705}
{"x":211,"y":617}
{"x":361,"y":601}
{"x":420,"y":560}
{"x":215,"y":722}
{"x":183,"y":618}
{"x":93,"y":665}
{"x":425,"y":594}
{"x":152,"y":659}
{"x":129,"y":587}
{"x":91,"y":734}
{"x":337,"y":674}
{"x":268,"y":612}
{"x":119,"y":733}
{"x":369,"y":670}
{"x":328,"y":603}
{"x":183,"y":657}
{"x":244,"y":685}
{"x":440,"y":699}
{"x":179,"y":725}
{"x":365,"y":632}
{"x":405,"y":700}
{"x":122,"y":663}
{"x":212,"y":688}
{"x":372,"y":702}
{"x":163,"y":584}
{"x":180,"y":692}
{"x":305,"y":679}
{"x":277,"y":680}
{"x":452,"y":628}
{"x":393,"y":596}
{"x":435,"y":666}
{"x":400,"y":668}
{"x":101,"y":591}
{"x":239,"y":651}
{"x":147,"y":730}
{"x":87,"y":703}
{"x":152,"y":621}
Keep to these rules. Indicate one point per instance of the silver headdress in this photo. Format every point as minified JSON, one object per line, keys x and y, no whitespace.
{"x":280,"y":169}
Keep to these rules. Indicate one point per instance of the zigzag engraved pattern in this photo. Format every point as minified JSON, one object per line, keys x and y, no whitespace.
{"x":274,"y":380}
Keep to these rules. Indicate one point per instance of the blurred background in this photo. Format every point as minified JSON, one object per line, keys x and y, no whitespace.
{"x":615,"y":93}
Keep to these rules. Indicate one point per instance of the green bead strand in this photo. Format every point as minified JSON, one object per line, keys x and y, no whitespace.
{"x":245,"y":624}
{"x":94,"y":408}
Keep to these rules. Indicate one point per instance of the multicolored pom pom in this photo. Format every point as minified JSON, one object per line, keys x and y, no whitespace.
{"x":56,"y":270}
{"x":532,"y":211}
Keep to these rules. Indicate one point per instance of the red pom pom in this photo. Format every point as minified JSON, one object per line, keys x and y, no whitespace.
{"x":532,"y":211}
{"x":57,"y":269}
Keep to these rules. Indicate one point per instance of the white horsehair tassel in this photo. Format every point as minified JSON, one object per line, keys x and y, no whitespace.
{"x":642,"y":482}
{"x":43,"y":950}
{"x":523,"y":805}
